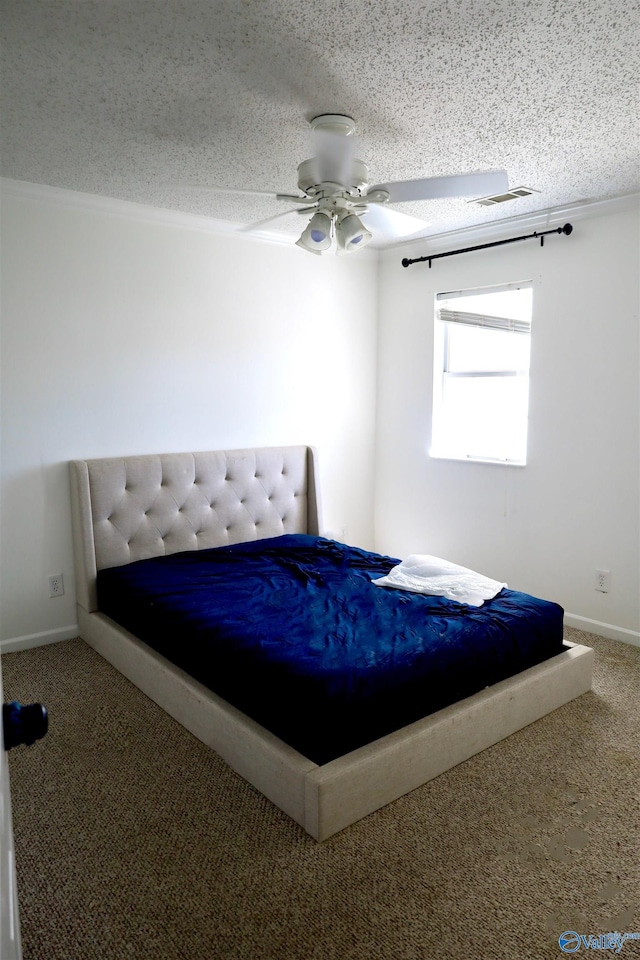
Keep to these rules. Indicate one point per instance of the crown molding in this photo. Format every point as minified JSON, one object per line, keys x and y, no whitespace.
{"x":126,"y":209}
{"x":422,"y":245}
{"x":501,"y":229}
{"x":145,"y":213}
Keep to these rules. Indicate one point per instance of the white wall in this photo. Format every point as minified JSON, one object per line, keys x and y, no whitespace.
{"x":546,"y":527}
{"x":121,"y":334}
{"x":124,"y":334}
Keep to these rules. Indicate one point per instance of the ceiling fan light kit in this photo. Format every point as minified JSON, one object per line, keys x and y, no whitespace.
{"x":334,"y":221}
{"x":351,"y":233}
{"x":316,"y":237}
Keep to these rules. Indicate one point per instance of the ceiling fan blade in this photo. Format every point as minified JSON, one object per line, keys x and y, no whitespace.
{"x":462,"y":185}
{"x":249,"y":227}
{"x":202,"y":188}
{"x":392,"y":223}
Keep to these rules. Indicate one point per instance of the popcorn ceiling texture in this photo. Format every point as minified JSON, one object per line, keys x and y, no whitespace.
{"x":142,"y":99}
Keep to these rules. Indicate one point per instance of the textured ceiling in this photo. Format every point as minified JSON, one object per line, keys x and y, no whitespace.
{"x":144,"y":99}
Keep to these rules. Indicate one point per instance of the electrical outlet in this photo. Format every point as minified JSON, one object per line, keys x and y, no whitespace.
{"x":603,"y":581}
{"x":56,"y":585}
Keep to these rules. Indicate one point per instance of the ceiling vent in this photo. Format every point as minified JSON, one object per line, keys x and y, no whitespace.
{"x":514,"y":194}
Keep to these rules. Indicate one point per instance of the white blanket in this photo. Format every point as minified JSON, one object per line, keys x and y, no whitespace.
{"x":421,"y":573}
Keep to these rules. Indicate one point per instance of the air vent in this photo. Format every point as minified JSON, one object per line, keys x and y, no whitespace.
{"x":514,"y":194}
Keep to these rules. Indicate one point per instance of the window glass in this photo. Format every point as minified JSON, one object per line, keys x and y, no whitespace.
{"x":481,"y":374}
{"x":481,"y":349}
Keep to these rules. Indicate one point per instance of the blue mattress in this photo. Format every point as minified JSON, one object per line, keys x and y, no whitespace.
{"x":292,"y":631}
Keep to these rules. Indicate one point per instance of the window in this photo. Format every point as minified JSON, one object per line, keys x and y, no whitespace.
{"x":481,"y":374}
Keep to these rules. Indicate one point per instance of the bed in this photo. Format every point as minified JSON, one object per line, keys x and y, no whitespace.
{"x":327,"y":741}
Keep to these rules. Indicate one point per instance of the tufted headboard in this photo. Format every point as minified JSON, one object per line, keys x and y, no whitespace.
{"x":131,"y":508}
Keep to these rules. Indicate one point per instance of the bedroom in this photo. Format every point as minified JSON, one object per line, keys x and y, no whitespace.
{"x":130,"y":329}
{"x":122,"y":335}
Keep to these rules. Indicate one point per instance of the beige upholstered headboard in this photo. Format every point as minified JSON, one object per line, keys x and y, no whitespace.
{"x":131,"y":508}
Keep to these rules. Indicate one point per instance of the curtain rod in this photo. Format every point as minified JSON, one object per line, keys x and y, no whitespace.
{"x":567,"y":229}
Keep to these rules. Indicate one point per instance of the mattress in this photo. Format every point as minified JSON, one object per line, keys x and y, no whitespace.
{"x":292,"y":631}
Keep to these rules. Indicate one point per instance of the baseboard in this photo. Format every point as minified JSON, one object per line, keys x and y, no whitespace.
{"x":603,"y":629}
{"x":39,"y":639}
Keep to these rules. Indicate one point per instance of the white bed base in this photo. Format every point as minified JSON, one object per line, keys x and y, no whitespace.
{"x":322,"y":799}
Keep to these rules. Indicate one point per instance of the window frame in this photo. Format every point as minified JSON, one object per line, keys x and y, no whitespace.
{"x":441,"y":373}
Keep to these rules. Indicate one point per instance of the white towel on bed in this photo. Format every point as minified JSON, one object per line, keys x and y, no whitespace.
{"x":420,"y":573}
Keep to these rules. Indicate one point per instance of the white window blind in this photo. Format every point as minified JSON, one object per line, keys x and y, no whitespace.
{"x":484,"y":320}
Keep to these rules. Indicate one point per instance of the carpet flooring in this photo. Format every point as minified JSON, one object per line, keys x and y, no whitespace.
{"x":133,"y":840}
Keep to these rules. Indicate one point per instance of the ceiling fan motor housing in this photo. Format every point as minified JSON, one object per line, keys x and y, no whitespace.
{"x":308,"y":178}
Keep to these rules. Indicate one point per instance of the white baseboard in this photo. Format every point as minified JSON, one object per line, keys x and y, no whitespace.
{"x":39,"y":639}
{"x":603,"y":629}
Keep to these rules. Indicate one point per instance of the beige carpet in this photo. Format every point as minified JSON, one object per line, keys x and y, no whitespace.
{"x":135,"y":841}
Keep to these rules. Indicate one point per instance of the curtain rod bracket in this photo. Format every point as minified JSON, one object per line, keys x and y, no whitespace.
{"x":566,"y":229}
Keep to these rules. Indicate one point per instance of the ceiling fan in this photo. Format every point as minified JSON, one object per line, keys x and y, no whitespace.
{"x":335,"y":189}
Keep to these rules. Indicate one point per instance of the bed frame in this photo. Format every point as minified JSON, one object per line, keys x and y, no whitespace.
{"x":134,"y":507}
